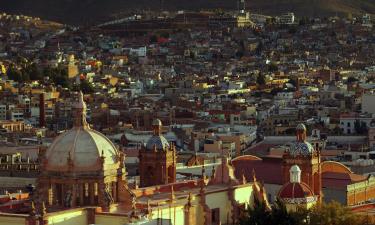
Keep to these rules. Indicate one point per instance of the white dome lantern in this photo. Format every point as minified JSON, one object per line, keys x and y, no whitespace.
{"x":295,"y":174}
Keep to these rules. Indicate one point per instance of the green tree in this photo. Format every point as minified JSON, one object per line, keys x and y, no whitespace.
{"x":256,"y":215}
{"x":14,"y":74}
{"x":33,"y":71}
{"x":85,"y":87}
{"x":336,"y":214}
{"x":324,"y":214}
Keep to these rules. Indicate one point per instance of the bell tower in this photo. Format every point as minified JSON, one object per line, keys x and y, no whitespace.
{"x":306,"y":157}
{"x":157,"y":160}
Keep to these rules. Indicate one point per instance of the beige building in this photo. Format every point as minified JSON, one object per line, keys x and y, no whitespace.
{"x":83,"y":181}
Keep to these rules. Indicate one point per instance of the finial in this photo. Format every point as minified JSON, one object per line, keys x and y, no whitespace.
{"x":202,"y":186}
{"x":254,"y":176}
{"x":244,"y":181}
{"x":44,"y":209}
{"x":173,"y":197}
{"x":155,"y":149}
{"x":203,"y":171}
{"x":190,"y":198}
{"x":134,"y":204}
{"x":213,"y":172}
{"x":32,"y":212}
{"x":148,"y":206}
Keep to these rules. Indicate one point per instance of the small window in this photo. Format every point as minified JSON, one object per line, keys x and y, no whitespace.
{"x":215,"y":216}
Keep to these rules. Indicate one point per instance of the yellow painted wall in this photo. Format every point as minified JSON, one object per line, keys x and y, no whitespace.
{"x":242,"y":195}
{"x":8,"y":220}
{"x":102,"y":219}
{"x":220,"y":200}
{"x":78,"y":217}
{"x":176,"y":214}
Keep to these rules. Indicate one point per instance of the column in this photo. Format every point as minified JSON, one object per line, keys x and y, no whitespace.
{"x":114,"y":191}
{"x":81,"y":194}
{"x":74,"y":195}
{"x":92,"y":193}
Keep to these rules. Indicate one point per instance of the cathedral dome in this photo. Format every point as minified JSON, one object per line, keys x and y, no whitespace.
{"x":301,"y":126}
{"x":157,"y":141}
{"x":301,"y":148}
{"x":81,"y":149}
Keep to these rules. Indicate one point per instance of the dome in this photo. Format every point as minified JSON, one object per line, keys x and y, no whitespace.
{"x":84,"y":147}
{"x":301,"y":126}
{"x":156,"y":122}
{"x":157,"y":140}
{"x":81,"y":149}
{"x":301,"y":148}
{"x":295,"y":190}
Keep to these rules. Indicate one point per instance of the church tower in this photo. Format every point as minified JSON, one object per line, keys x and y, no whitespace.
{"x":82,"y":167}
{"x":303,"y":154}
{"x":157,"y":160}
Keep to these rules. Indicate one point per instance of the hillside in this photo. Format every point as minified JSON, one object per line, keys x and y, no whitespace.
{"x":92,"y":11}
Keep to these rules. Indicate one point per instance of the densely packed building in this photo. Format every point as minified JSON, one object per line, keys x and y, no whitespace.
{"x":186,"y":119}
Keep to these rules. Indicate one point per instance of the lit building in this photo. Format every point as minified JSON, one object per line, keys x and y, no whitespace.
{"x":83,"y":181}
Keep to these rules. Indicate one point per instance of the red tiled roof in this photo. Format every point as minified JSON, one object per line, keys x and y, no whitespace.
{"x":340,"y":180}
{"x":267,"y":170}
{"x":295,"y":190}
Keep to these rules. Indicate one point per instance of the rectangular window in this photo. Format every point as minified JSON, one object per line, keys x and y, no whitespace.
{"x":215,"y":216}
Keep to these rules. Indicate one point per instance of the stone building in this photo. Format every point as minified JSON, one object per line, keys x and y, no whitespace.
{"x":157,"y":160}
{"x":81,"y":167}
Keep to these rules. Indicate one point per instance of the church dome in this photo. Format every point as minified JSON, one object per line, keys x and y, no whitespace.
{"x":81,"y":149}
{"x":158,"y":141}
{"x":301,"y":148}
{"x":295,"y":190}
{"x":301,"y":126}
{"x":156,"y":122}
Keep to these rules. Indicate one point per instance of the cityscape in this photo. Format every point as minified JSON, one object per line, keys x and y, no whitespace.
{"x":210,"y":116}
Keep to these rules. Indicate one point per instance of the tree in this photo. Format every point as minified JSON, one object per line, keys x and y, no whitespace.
{"x":281,"y":216}
{"x":85,"y":87}
{"x":257,"y":215}
{"x":336,"y":214}
{"x":14,"y":74}
{"x":324,"y":214}
{"x":33,"y":71}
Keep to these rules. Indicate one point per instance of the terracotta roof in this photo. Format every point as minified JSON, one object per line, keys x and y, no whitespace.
{"x":295,"y":190}
{"x":340,"y":180}
{"x":267,"y":170}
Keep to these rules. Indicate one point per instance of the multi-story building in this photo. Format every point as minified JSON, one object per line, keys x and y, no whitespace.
{"x":353,"y":123}
{"x":3,"y":112}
